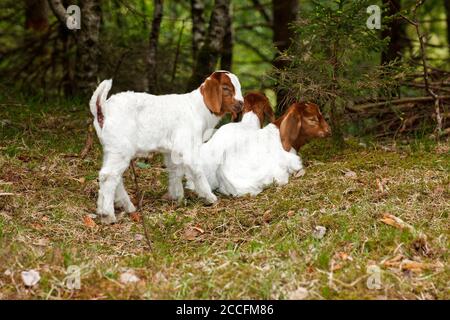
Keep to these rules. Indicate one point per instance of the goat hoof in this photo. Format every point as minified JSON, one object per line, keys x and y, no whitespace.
{"x":299,"y":173}
{"x":210,"y":200}
{"x":190,"y":186}
{"x":131,"y":208}
{"x":168,"y":197}
{"x":107,"y":218}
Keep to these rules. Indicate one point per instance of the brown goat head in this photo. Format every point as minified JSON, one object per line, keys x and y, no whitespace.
{"x":258,"y":103}
{"x":301,"y":123}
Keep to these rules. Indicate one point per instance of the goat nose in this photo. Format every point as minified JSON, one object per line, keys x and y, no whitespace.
{"x":240,"y":105}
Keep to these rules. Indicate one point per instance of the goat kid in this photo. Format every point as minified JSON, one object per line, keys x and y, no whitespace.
{"x":256,"y":109}
{"x":258,"y":158}
{"x":130,"y":125}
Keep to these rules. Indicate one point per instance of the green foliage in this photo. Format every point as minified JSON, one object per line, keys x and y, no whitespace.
{"x":41,"y":64}
{"x":334,"y":59}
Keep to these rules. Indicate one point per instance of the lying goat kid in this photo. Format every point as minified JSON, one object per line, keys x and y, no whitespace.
{"x":133,"y":124}
{"x":255,"y":159}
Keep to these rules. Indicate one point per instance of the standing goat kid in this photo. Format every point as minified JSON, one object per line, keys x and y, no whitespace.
{"x":131,"y":124}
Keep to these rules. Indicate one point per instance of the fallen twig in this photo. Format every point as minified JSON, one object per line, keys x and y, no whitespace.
{"x":442,"y":134}
{"x":140,"y":198}
{"x":136,"y":185}
{"x":89,"y":141}
{"x":362,"y":107}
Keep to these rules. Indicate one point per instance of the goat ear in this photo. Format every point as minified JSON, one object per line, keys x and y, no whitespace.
{"x":212,"y":94}
{"x":290,"y":129}
{"x":268,"y":111}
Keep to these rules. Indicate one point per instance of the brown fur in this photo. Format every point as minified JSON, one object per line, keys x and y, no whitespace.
{"x":218,"y":94}
{"x":258,"y":103}
{"x":300,"y":123}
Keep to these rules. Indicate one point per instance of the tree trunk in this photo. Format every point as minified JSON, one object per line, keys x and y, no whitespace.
{"x":88,"y":51}
{"x":227,"y":50}
{"x":210,"y":52}
{"x":396,"y":31}
{"x":447,"y":11}
{"x":87,"y":41}
{"x":198,"y":26}
{"x":153,"y":47}
{"x":284,"y":14}
{"x":67,"y":81}
{"x":36,"y":15}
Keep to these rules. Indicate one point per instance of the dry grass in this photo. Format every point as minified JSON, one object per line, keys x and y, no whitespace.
{"x":254,"y":247}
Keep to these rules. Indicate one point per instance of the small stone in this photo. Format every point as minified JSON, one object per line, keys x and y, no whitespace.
{"x":299,"y":294}
{"x":30,"y":277}
{"x":128,"y":277}
{"x":350,"y":174}
{"x":319,"y":232}
{"x":139,"y":237}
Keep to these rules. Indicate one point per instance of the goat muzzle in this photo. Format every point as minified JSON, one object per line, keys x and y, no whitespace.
{"x":238,"y":106}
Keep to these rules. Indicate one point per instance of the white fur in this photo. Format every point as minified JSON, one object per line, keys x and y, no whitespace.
{"x":255,"y":162}
{"x":138,"y":123}
{"x":211,"y":152}
{"x":241,"y":158}
{"x":237,"y":85}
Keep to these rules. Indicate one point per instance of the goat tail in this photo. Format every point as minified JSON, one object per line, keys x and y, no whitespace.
{"x":98,"y":100}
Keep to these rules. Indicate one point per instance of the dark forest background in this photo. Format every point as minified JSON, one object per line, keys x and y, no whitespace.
{"x":382,"y":82}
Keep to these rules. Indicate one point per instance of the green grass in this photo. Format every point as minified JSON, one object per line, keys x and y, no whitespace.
{"x":252,"y":247}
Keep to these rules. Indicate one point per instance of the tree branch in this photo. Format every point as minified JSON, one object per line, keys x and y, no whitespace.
{"x":59,"y":10}
{"x":363,"y":107}
{"x":251,"y":26}
{"x":255,"y":49}
{"x":260,"y":7}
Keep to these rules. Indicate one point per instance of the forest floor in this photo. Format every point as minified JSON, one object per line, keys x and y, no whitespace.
{"x":384,"y":205}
